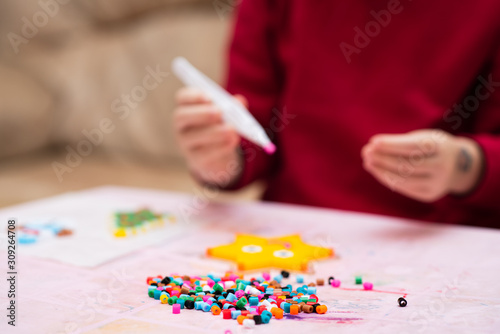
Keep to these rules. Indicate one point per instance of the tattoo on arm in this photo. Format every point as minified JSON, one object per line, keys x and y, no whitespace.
{"x":464,"y":161}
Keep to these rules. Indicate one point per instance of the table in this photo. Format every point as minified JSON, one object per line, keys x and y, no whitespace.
{"x":450,"y":274}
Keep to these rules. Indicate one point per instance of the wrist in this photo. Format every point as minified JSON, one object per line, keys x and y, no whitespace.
{"x":468,"y":166}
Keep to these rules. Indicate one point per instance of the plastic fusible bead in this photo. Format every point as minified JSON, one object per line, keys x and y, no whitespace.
{"x":321,"y":309}
{"x":299,"y":278}
{"x":241,"y":302}
{"x":215,"y":310}
{"x":226,"y":314}
{"x":307,"y":309}
{"x":367,"y":286}
{"x":402,"y":302}
{"x":294,"y":309}
{"x":254,"y":301}
{"x":335,"y":283}
{"x":285,"y":274}
{"x":240,"y":319}
{"x":176,"y":309}
{"x":320,"y":281}
{"x":358,"y":280}
{"x":278,"y":314}
{"x":248,"y":323}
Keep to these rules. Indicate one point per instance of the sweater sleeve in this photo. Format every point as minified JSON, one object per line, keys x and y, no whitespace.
{"x":486,"y":132}
{"x":253,"y":73}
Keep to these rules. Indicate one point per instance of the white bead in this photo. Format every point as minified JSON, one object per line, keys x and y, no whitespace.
{"x":248,"y":323}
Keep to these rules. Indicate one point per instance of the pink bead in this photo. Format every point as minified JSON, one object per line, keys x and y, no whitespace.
{"x":261,"y":296}
{"x":239,"y":294}
{"x":210,"y":283}
{"x":205,"y":298}
{"x":175,"y":293}
{"x":233,"y":277}
{"x":209,"y":302}
{"x":266,"y":276}
{"x":335,"y":283}
{"x":367,"y":285}
{"x":176,"y":309}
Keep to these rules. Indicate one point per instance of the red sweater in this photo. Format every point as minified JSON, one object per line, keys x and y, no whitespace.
{"x":325,"y":76}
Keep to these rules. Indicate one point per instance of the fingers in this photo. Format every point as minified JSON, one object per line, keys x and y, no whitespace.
{"x":197,"y":115}
{"x":243,"y":100}
{"x":208,"y":136}
{"x":400,"y":165}
{"x":408,"y":145}
{"x":414,"y":187}
{"x":191,"y":95}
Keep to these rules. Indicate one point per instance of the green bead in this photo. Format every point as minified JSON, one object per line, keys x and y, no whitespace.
{"x":151,"y":293}
{"x":218,"y":287}
{"x":359,"y":280}
{"x":198,"y":299}
{"x":240,"y":286}
{"x":242,"y":302}
{"x":199,"y":289}
{"x":172,"y":300}
{"x":190,"y":298}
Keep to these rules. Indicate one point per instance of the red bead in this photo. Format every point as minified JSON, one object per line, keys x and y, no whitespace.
{"x":261,"y":309}
{"x":226,"y":314}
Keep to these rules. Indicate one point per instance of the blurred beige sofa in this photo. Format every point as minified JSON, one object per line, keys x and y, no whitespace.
{"x":65,"y":71}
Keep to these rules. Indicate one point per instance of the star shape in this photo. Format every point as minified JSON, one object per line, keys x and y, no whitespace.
{"x":251,"y":252}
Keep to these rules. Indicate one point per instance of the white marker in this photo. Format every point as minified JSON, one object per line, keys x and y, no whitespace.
{"x":233,"y":112}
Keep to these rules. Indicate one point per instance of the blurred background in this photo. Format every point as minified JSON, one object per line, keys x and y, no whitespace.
{"x":86,"y":93}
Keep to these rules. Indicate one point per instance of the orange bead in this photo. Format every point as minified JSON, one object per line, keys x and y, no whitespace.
{"x":321,"y":309}
{"x":215,"y":310}
{"x":240,"y":319}
{"x":294,"y":309}
{"x":278,"y":314}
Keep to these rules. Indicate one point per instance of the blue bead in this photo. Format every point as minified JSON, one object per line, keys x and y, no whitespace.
{"x":311,"y":290}
{"x":231,"y":297}
{"x":206,"y":307}
{"x":181,"y":302}
{"x":300,"y":279}
{"x":235,"y":314}
{"x":157,"y":294}
{"x":253,"y":301}
{"x":278,"y":278}
{"x":197,"y":305}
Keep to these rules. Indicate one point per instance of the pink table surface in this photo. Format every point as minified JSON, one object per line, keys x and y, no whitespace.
{"x":450,"y":274}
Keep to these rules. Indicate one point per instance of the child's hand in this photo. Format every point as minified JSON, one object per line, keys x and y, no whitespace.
{"x":208,"y":144}
{"x":424,"y":164}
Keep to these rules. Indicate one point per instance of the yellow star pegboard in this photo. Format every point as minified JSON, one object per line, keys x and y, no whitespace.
{"x":252,"y":252}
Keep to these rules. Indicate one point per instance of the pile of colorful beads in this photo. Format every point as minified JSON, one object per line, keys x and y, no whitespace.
{"x":250,"y":302}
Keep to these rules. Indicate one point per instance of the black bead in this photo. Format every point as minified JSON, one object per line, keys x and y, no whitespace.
{"x":220,"y":305}
{"x":330,"y":279}
{"x":266,"y":296}
{"x":166,"y":280}
{"x":314,"y":307}
{"x":230,"y":291}
{"x":257,"y":319}
{"x":154,"y":284}
{"x":231,"y":306}
{"x":402,"y":302}
{"x":189,"y":304}
{"x":285,"y":274}
{"x":217,"y":293}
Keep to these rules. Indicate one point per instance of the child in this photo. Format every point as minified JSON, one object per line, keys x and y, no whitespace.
{"x":387,"y":107}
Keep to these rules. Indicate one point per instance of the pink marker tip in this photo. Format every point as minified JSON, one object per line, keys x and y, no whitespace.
{"x":270,"y":148}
